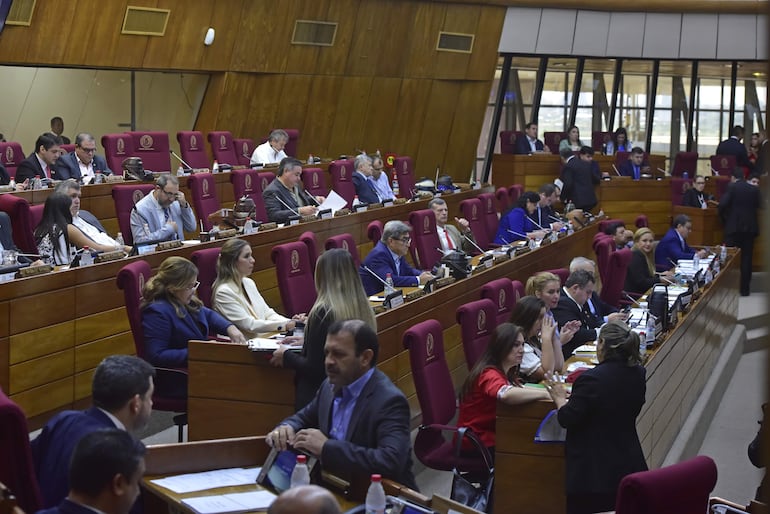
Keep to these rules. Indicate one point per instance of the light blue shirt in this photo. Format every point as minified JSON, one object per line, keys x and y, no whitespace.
{"x":345,"y":403}
{"x":382,"y":186}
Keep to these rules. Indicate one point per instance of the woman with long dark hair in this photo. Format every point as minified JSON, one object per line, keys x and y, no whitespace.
{"x":516,"y":224}
{"x":542,"y":350}
{"x":572,"y":141}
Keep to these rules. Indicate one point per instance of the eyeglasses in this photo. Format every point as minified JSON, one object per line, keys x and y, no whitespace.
{"x":406,"y":240}
{"x":88,"y":150}
{"x":168,"y":193}
{"x":699,"y":183}
{"x":194,"y":286}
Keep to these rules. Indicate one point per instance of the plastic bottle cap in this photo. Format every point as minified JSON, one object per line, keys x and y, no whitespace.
{"x":376,"y":478}
{"x":301,"y":459}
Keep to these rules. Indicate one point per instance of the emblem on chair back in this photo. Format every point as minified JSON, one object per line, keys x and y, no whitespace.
{"x":489,"y":204}
{"x":426,"y":225}
{"x":501,"y":300}
{"x":481,"y":322}
{"x":120,"y":146}
{"x":264,"y":184}
{"x":245,"y":148}
{"x":404,"y":169}
{"x":141,"y":281}
{"x":723,"y":162}
{"x":295,"y":261}
{"x":247,"y":184}
{"x":222,"y":142}
{"x":205,"y":187}
{"x":315,"y":179}
{"x":9,"y":156}
{"x":345,"y":245}
{"x":430,"y":354}
{"x":474,"y":212}
{"x":146,"y":142}
{"x":343,"y":172}
{"x":137,"y":195}
{"x":193,"y":142}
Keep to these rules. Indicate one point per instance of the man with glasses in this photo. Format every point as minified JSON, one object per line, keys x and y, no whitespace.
{"x":271,"y":151}
{"x":388,"y":257}
{"x":674,"y":245}
{"x":695,"y":197}
{"x":381,"y":180}
{"x":161,"y":215}
{"x":82,"y":164}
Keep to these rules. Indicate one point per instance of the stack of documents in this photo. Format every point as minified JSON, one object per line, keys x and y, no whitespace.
{"x":234,"y":502}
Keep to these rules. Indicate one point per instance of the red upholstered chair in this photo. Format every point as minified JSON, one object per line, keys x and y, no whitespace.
{"x":500,"y":293}
{"x":617,"y":267}
{"x":346,"y":242}
{"x":222,"y":147}
{"x":518,"y":291}
{"x":503,"y":199}
{"x":206,"y":262}
{"x":204,"y":196}
{"x":514,"y":192}
{"x":125,"y":196}
{"x":342,"y":179}
{"x":11,"y":155}
{"x":604,"y":224}
{"x":374,"y":231}
{"x":191,"y":146}
{"x":131,"y":279}
{"x":473,"y":211}
{"x":477,"y":322}
{"x":295,"y":277}
{"x":685,"y":161}
{"x":314,"y":180}
{"x":17,"y":209}
{"x":491,"y":217}
{"x":620,"y":158}
{"x":153,"y":148}
{"x":681,"y":488}
{"x":678,"y":187}
{"x":723,"y":165}
{"x":17,"y":470}
{"x":117,"y":147}
{"x":722,"y":183}
{"x":35,"y":216}
{"x":68,"y":147}
{"x":247,"y":183}
{"x":292,"y":143}
{"x":508,"y":140}
{"x":562,"y":273}
{"x":598,"y":139}
{"x":244,"y":147}
{"x":604,"y":247}
{"x":265,"y":179}
{"x":312,"y":246}
{"x":404,"y":167}
{"x":642,"y":221}
{"x":425,"y":245}
{"x":436,"y":394}
{"x":552,"y":140}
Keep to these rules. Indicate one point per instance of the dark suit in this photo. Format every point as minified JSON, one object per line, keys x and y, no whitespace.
{"x":542,"y":216}
{"x":629,"y":169}
{"x":692,"y":198}
{"x":377,"y":437}
{"x":602,"y":444}
{"x":67,"y":166}
{"x":579,"y":179}
{"x":30,"y":167}
{"x":598,"y":308}
{"x":381,"y":262}
{"x":364,"y":190}
{"x":523,"y":148}
{"x":670,"y":249}
{"x":52,"y":449}
{"x":277,"y":211}
{"x":67,"y":507}
{"x":567,"y":310}
{"x":732,"y":146}
{"x":5,"y":177}
{"x":6,"y":236}
{"x":738,"y":210}
{"x":763,"y":159}
{"x":639,"y":280}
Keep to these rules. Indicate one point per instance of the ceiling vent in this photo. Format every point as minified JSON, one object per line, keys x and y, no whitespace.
{"x":145,"y":21}
{"x":21,"y":12}
{"x":317,"y":33}
{"x":455,"y":42}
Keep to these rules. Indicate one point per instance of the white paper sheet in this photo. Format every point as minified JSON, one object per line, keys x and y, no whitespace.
{"x":234,"y":502}
{"x":209,"y":479}
{"x":334,"y":202}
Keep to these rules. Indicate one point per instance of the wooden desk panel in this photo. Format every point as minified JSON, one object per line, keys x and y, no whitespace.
{"x":707,"y":227}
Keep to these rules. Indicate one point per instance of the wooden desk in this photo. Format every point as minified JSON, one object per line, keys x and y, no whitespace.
{"x":707,"y":227}
{"x":531,"y":475}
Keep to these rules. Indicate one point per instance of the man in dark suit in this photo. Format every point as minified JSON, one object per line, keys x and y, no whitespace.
{"x":105,"y":474}
{"x":579,"y":179}
{"x":600,"y":310}
{"x":285,"y":197}
{"x":544,"y":216}
{"x":122,"y":398}
{"x":577,"y":289}
{"x":363,"y":181}
{"x":5,"y":177}
{"x":57,"y":128}
{"x":738,"y":210}
{"x":762,"y":166}
{"x":388,"y":256}
{"x":733,"y":146}
{"x":83,"y":163}
{"x":635,"y":166}
{"x":530,"y":143}
{"x":42,"y":161}
{"x":358,"y":422}
{"x":674,"y":245}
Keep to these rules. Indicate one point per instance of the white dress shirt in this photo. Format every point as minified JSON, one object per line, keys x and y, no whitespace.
{"x":265,"y":154}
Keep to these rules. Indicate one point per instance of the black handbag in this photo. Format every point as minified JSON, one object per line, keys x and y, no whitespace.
{"x":468,"y":488}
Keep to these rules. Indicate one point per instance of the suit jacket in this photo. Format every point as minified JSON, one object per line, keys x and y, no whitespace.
{"x":602,"y":445}
{"x":731,"y":146}
{"x":523,"y":148}
{"x":52,"y":449}
{"x":249,"y":312}
{"x":541,"y":216}
{"x":671,"y":248}
{"x":67,"y":166}
{"x":627,"y":169}
{"x":145,"y":211}
{"x":30,"y":167}
{"x":309,"y":364}
{"x":738,"y":209}
{"x":579,"y":179}
{"x":365,"y":191}
{"x":639,"y":280}
{"x":515,"y":220}
{"x":91,"y":220}
{"x":567,"y":310}
{"x":5,"y":177}
{"x":601,"y":308}
{"x":377,"y":438}
{"x":459,"y":241}
{"x":277,"y":211}
{"x":763,"y":159}
{"x":6,"y":236}
{"x":690,"y":198}
{"x":166,"y":334}
{"x":68,"y":507}
{"x":381,"y":263}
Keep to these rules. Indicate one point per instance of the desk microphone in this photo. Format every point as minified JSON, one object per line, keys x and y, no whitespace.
{"x":558,"y":220}
{"x":36,"y":255}
{"x":308,"y":195}
{"x":632,"y":299}
{"x":286,"y":205}
{"x":662,"y":171}
{"x":187,"y":166}
{"x":375,"y":275}
{"x":538,"y":225}
{"x":471,"y":241}
{"x":517,"y":233}
{"x":616,"y":170}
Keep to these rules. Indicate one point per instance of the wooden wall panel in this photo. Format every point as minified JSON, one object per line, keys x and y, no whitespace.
{"x":463,"y":19}
{"x":263,"y":105}
{"x":434,"y":137}
{"x":488,"y":32}
{"x":383,"y":102}
{"x":182,"y":32}
{"x":347,"y":126}
{"x":409,"y":118}
{"x":460,"y":157}
{"x":303,"y":59}
{"x":324,"y":97}
{"x":332,"y":60}
{"x":427,"y":21}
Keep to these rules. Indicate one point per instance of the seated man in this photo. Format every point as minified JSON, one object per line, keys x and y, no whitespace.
{"x":161,"y":215}
{"x":448,"y":235}
{"x":105,"y":474}
{"x":576,"y":291}
{"x":381,"y":180}
{"x":271,"y":151}
{"x":285,"y":197}
{"x":358,"y":422}
{"x":41,"y":163}
{"x":674,"y":245}
{"x":83,"y":163}
{"x":84,"y":220}
{"x":622,"y":237}
{"x":634,"y":166}
{"x":596,"y":307}
{"x":363,"y":181}
{"x":388,"y":257}
{"x":530,"y":143}
{"x":544,"y":216}
{"x":122,"y":398}
{"x":308,"y":499}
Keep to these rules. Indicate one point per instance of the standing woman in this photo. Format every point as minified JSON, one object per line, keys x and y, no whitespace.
{"x":340,"y":297}
{"x":542,"y":351}
{"x":573,"y":140}
{"x":641,"y":276}
{"x":602,"y":445}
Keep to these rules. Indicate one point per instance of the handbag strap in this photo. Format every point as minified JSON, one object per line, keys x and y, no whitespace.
{"x":464,"y":432}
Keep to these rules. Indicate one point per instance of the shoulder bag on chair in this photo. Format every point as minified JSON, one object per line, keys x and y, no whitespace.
{"x":470,"y":490}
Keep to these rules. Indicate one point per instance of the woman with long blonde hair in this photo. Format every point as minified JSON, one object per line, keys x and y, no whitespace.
{"x":641,"y":275}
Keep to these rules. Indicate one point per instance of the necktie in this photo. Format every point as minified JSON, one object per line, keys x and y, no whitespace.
{"x":47,"y":171}
{"x":448,"y":240}
{"x":636,"y":172}
{"x":166,"y":215}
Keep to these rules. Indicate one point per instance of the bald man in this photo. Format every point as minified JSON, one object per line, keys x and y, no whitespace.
{"x":308,"y":499}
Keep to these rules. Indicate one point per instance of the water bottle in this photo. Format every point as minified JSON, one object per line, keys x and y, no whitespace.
{"x":310,"y":159}
{"x":649,"y":335}
{"x":389,"y":288}
{"x":248,"y":227}
{"x":12,"y":183}
{"x":394,"y":184}
{"x":723,"y":253}
{"x":215,"y":167}
{"x":695,"y":262}
{"x":610,"y":148}
{"x":86,"y":258}
{"x":570,"y":207}
{"x":98,"y":178}
{"x":685,"y":175}
{"x":300,"y":475}
{"x":375,"y":497}
{"x":532,"y":244}
{"x":119,"y":239}
{"x":180,"y":171}
{"x":37,"y":183}
{"x":356,"y":201}
{"x":570,"y":229}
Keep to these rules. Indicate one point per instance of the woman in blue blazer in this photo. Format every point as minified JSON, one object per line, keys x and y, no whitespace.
{"x":172,"y":315}
{"x":516,"y":224}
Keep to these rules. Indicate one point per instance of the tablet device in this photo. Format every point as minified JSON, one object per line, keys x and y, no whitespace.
{"x":276,"y":471}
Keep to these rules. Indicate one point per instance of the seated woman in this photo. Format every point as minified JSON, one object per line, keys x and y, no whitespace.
{"x":573,"y":140}
{"x":542,"y":351}
{"x":57,"y":238}
{"x":495,"y":378}
{"x":340,"y":296}
{"x":236,"y":297}
{"x":620,"y":142}
{"x":515,"y":224}
{"x":641,"y":275}
{"x":547,"y":287}
{"x":172,"y":315}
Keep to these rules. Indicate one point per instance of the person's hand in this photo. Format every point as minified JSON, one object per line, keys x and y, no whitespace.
{"x":425,"y":276}
{"x":277,"y":358}
{"x":621,"y":316}
{"x":21,"y":186}
{"x":645,"y":170}
{"x":127,"y":249}
{"x":546,"y":149}
{"x":557,"y":391}
{"x":280,"y":437}
{"x":464,"y":224}
{"x":702,"y":253}
{"x":311,"y":440}
{"x":235,"y":335}
{"x":292,"y":341}
{"x":556,"y":226}
{"x":320,"y":199}
{"x":290,"y":325}
{"x":37,"y":263}
{"x":547,"y":330}
{"x":668,"y":274}
{"x":182,"y":201}
{"x":171,"y":223}
{"x":302,"y":317}
{"x":307,"y":209}
{"x":568,"y":330}
{"x":537,"y":234}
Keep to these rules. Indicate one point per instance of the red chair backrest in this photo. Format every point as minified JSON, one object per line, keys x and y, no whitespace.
{"x":612,"y":288}
{"x":621,"y":158}
{"x":491,"y":219}
{"x":473,"y":211}
{"x":295,"y":277}
{"x":17,"y":209}
{"x":562,"y":273}
{"x":314,"y":180}
{"x":117,"y":147}
{"x":514,"y":192}
{"x":552,"y":140}
{"x":604,"y":246}
{"x":191,"y":145}
{"x":518,"y":290}
{"x":265,"y":179}
{"x":346,"y":242}
{"x":508,"y":140}
{"x":503,"y":199}
{"x":425,"y":246}
{"x":722,"y":183}
{"x":312,"y":246}
{"x":404,"y":167}
{"x":723,"y":165}
{"x":204,"y":196}
{"x":206,"y":262}
{"x":598,"y":139}
{"x":68,"y":147}
{"x":247,"y":183}
{"x":17,"y":470}
{"x":125,"y":196}
{"x":342,"y":179}
{"x":678,"y":187}
{"x":11,"y":155}
{"x":642,"y":221}
{"x":685,"y":161}
{"x":35,"y":216}
{"x":222,"y":147}
{"x":131,"y":279}
{"x":500,"y":293}
{"x":374,"y":231}
{"x":153,"y":148}
{"x":244,"y":147}
{"x":604,"y":224}
{"x":477,"y":323}
{"x":291,"y":145}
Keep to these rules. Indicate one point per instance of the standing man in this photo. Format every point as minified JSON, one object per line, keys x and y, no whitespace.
{"x":530,"y":143}
{"x":271,"y":151}
{"x":363,"y":181}
{"x":448,"y":235}
{"x":734,"y":146}
{"x":41,"y":162}
{"x":674,"y":245}
{"x":57,"y":127}
{"x":358,"y":422}
{"x":122,"y":398}
{"x":738,"y":210}
{"x":161,"y":215}
{"x":381,"y":180}
{"x":284,"y":197}
{"x":634,"y":167}
{"x":579,"y":179}
{"x":83,"y":163}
